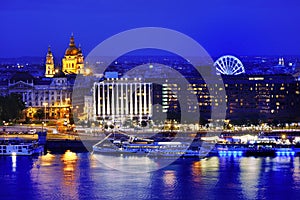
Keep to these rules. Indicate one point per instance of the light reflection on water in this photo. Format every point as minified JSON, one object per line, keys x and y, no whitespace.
{"x":46,"y":160}
{"x":249,"y":176}
{"x":70,"y":171}
{"x":296,"y":174}
{"x":82,"y":176}
{"x":14,"y":163}
{"x":169,"y":178}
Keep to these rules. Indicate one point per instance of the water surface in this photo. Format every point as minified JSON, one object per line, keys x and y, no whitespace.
{"x":81,"y":176}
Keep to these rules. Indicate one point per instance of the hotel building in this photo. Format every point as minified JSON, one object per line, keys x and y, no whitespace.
{"x":120,"y":99}
{"x":249,"y":98}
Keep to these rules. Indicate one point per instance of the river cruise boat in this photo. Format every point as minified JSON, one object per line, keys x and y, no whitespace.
{"x":213,"y":146}
{"x":148,"y":148}
{"x":16,"y":147}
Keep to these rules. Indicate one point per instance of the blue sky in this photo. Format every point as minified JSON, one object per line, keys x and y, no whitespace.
{"x":221,"y":26}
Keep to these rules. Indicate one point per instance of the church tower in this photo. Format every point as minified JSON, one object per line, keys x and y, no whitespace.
{"x":80,"y":64}
{"x":50,"y":71}
{"x":73,"y":62}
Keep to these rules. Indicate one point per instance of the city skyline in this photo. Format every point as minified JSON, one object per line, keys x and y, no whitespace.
{"x":149,"y":99}
{"x":231,"y":27}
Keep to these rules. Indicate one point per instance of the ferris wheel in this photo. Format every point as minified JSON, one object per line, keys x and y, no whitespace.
{"x":229,"y":65}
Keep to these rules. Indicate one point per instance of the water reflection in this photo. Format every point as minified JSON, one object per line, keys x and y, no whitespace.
{"x":296,"y":173}
{"x":115,"y":184}
{"x":70,"y":184}
{"x":131,"y":164}
{"x":169,"y":178}
{"x":79,"y":176}
{"x":69,"y":159}
{"x":47,"y":160}
{"x":196,"y":171}
{"x":249,"y":175}
{"x":283,"y":163}
{"x":14,"y":163}
{"x":94,"y":163}
{"x":56,"y":175}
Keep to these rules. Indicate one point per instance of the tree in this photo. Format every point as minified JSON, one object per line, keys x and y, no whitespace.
{"x":144,"y":123}
{"x":39,"y":114}
{"x":11,"y":107}
{"x":71,"y":118}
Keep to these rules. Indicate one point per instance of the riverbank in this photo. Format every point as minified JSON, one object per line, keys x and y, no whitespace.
{"x":59,"y":143}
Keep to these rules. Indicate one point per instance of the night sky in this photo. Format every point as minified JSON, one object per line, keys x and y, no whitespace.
{"x":256,"y":27}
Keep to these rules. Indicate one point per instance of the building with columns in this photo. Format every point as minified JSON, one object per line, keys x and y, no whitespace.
{"x":52,"y":95}
{"x":120,"y":99}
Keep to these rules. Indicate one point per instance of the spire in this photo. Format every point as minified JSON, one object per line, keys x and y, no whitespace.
{"x":72,"y":43}
{"x":49,"y":50}
{"x":79,"y":48}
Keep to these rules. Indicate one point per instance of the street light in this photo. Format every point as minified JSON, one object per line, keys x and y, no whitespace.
{"x":3,"y":126}
{"x":43,"y":126}
{"x":45,"y":104}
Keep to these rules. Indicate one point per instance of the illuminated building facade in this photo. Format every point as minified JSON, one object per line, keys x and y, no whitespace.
{"x":120,"y":99}
{"x":73,"y":62}
{"x":50,"y":69}
{"x":88,"y":108}
{"x":249,"y":98}
{"x":52,"y":95}
{"x":266,"y":97}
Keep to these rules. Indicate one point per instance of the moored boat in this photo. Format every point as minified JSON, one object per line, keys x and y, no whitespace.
{"x":18,"y":147}
{"x":143,"y":148}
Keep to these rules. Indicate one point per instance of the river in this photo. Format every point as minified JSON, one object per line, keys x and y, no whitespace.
{"x":82,"y":176}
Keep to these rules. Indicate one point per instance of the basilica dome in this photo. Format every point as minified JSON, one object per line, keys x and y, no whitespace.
{"x":72,"y":50}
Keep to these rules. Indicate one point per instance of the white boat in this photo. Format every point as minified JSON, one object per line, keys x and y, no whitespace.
{"x":144,"y":148}
{"x":20,"y":147}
